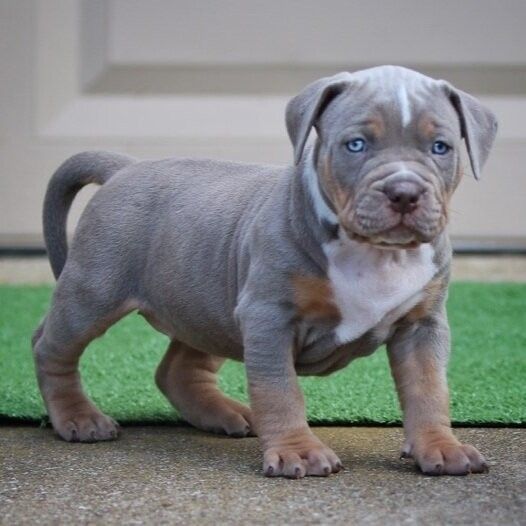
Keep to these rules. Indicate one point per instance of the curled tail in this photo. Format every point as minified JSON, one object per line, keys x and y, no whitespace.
{"x":74,"y":173}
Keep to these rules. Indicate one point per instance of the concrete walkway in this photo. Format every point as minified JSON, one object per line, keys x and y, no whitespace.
{"x":177,"y":475}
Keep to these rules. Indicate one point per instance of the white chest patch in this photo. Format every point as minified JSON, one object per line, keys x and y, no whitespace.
{"x":368,"y":283}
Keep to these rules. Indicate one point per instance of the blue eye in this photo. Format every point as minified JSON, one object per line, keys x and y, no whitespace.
{"x":356,"y":145}
{"x":440,"y":148}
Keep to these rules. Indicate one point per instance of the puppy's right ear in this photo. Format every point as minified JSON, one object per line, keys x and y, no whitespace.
{"x":306,"y":107}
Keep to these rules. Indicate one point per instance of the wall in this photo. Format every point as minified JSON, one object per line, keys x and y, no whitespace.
{"x":211,"y":78}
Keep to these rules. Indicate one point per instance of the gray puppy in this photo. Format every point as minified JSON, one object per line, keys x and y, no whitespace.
{"x":294,"y":270}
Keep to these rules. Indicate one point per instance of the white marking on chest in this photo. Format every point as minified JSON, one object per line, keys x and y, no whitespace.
{"x":369,"y":283}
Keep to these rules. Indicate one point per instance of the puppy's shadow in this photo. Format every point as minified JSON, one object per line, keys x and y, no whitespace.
{"x":379,"y":462}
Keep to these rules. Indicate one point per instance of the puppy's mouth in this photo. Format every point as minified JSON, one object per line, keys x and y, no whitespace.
{"x":401,"y":210}
{"x":375,"y":222}
{"x":399,"y":237}
{"x":404,"y":231}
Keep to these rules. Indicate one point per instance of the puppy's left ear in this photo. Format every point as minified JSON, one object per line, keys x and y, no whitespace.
{"x":305,"y":108}
{"x":478,"y":126}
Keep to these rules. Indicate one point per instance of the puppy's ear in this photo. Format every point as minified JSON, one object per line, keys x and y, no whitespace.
{"x":478,"y":126}
{"x":306,"y":107}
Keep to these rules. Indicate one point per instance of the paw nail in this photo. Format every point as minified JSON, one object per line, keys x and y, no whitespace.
{"x":270,"y":471}
{"x":297,"y":473}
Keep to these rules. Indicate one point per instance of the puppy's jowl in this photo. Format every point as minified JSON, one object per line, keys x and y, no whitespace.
{"x":294,"y":270}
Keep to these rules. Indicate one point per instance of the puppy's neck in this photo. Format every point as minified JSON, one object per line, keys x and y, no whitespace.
{"x":325,"y":215}
{"x":311,"y":206}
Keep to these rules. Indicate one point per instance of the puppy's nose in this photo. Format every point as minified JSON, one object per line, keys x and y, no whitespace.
{"x":403,"y":195}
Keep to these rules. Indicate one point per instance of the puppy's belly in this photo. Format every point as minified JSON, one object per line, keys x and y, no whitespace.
{"x":211,"y":341}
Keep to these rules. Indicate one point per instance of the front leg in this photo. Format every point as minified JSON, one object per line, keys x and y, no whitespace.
{"x":290,"y":448}
{"x":418,"y":354}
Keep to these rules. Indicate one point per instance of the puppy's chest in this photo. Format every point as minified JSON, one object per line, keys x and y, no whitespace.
{"x":371,"y":288}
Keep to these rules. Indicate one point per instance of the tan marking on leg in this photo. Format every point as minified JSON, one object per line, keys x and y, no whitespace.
{"x":73,"y":416}
{"x":277,"y":409}
{"x":422,"y":389}
{"x":188,"y":378}
{"x":290,"y":448}
{"x":314,"y":298}
{"x":72,"y":413}
{"x":432,"y":295}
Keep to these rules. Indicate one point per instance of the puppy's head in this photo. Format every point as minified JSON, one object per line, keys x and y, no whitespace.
{"x":388,"y":148}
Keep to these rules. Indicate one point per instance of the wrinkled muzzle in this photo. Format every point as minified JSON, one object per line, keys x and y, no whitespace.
{"x":404,"y":207}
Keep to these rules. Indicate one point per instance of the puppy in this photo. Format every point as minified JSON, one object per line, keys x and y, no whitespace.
{"x":294,"y":270}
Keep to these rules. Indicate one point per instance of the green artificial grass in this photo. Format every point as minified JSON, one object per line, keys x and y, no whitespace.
{"x":487,"y":369}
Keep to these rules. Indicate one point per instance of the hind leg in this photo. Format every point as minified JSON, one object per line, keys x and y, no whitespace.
{"x":187,"y":377}
{"x":77,"y":316}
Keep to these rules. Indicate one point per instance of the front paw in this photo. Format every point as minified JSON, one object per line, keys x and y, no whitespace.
{"x":297,"y":455}
{"x":438,"y":452}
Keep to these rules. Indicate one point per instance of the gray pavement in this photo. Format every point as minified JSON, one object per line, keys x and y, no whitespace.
{"x":177,"y":475}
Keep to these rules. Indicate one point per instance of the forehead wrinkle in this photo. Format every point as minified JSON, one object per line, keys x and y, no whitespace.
{"x":396,"y":93}
{"x":401,"y":88}
{"x":374,"y":124}
{"x":375,"y":127}
{"x":426,"y":126}
{"x":430,"y":124}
